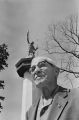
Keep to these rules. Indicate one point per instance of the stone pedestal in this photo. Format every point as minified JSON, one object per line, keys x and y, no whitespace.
{"x":26,"y":97}
{"x":29,"y":93}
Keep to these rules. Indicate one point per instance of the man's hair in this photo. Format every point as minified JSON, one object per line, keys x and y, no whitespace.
{"x":47,"y":59}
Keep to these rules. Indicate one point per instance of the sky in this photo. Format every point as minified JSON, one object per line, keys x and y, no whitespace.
{"x":16,"y":17}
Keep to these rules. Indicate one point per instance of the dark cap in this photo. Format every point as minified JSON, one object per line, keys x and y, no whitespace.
{"x":23,"y":66}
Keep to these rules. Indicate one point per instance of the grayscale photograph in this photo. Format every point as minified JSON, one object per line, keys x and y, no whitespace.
{"x":39,"y":60}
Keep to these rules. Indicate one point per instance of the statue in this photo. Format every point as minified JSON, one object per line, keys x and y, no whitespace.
{"x":32,"y":48}
{"x":24,"y":63}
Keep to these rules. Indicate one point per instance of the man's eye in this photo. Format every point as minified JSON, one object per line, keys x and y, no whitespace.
{"x":41,"y":64}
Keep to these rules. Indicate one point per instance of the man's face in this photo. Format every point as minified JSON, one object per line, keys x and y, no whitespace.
{"x":43,"y":73}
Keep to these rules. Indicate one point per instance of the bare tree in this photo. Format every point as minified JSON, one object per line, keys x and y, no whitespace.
{"x":63,"y":41}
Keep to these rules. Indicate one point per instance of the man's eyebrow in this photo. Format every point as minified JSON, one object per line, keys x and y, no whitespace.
{"x":50,"y":63}
{"x":39,"y":62}
{"x":42,"y":61}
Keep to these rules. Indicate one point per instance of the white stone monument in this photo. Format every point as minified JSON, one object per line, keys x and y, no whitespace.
{"x":29,"y":93}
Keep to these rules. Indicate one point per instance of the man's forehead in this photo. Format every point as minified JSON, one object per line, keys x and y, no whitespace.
{"x":36,"y":60}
